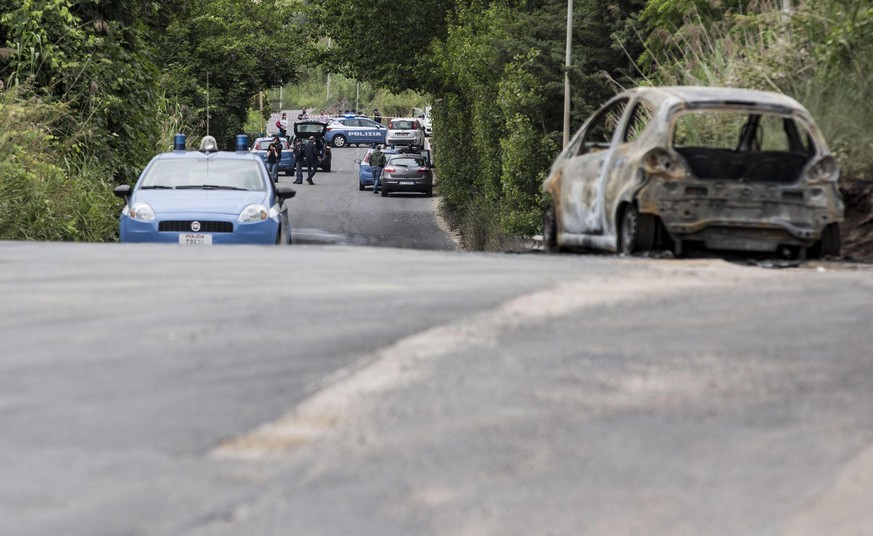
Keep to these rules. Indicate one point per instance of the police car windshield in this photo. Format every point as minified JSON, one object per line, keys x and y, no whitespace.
{"x":186,"y":173}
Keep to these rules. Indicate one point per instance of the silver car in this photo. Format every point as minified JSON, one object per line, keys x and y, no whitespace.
{"x":673,"y":167}
{"x":405,"y":131}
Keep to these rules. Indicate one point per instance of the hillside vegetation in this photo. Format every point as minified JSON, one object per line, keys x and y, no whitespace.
{"x":114,"y":80}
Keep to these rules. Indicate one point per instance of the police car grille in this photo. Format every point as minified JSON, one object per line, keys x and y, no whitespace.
{"x":205,"y":226}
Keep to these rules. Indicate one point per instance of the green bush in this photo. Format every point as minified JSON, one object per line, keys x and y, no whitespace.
{"x":47,"y":192}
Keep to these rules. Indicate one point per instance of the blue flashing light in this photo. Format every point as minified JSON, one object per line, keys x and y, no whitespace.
{"x":179,"y":142}
{"x":242,"y":143}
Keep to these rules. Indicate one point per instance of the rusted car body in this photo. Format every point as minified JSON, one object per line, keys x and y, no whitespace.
{"x":671,"y":167}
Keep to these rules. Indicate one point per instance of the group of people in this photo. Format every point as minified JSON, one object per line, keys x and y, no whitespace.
{"x":308,"y":154}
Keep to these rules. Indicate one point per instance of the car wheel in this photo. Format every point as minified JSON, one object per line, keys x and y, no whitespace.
{"x":326,"y":168}
{"x":636,"y":232}
{"x":384,"y":192}
{"x":829,"y":245}
{"x":339,"y":140}
{"x":429,"y":192}
{"x":361,"y":186}
{"x":550,"y":230}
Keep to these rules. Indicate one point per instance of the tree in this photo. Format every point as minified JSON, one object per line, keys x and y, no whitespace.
{"x":241,"y":47}
{"x":386,"y":42}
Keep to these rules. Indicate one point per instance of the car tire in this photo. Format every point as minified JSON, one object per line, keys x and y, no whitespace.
{"x":429,"y":192}
{"x":361,"y":186}
{"x":636,"y":231}
{"x":339,"y":141}
{"x":829,"y":244}
{"x":326,"y":168}
{"x":384,"y":192}
{"x":550,"y":229}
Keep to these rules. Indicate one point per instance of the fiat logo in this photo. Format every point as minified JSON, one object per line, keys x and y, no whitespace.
{"x":195,"y":226}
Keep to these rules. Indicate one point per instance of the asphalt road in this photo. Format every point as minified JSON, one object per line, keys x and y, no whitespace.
{"x":335,"y":211}
{"x":153,"y":390}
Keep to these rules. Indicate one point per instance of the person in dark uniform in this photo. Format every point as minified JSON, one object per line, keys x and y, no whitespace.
{"x":274,"y":156}
{"x":312,"y":158}
{"x":299,"y":158}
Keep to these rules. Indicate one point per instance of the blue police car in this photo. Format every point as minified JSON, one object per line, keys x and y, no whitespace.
{"x":206,"y":197}
{"x":286,"y":162}
{"x":351,"y":130}
{"x":365,"y":172}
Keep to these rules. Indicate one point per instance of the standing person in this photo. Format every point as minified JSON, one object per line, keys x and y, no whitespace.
{"x":377,"y":117}
{"x":312,"y":158}
{"x":323,"y":118}
{"x":303,"y":116}
{"x":299,"y":157}
{"x":282,"y":124}
{"x":274,"y":156}
{"x":377,"y":164}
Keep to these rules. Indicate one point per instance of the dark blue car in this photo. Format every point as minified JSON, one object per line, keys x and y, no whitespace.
{"x":365,"y":172}
{"x":286,"y":164}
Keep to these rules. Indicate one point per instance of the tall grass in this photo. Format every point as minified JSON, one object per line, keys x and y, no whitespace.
{"x":46,"y":191}
{"x":816,"y":54}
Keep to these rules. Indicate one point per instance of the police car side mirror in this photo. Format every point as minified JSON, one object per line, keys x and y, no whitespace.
{"x":285,"y":192}
{"x":122,"y":191}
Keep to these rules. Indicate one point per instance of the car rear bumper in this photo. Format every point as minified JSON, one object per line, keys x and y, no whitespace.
{"x":406,"y":185}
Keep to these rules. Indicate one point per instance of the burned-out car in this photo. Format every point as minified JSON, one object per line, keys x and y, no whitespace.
{"x":672,"y":167}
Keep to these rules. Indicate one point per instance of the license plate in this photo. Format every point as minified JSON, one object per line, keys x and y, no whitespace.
{"x":195,"y":239}
{"x":404,"y":183}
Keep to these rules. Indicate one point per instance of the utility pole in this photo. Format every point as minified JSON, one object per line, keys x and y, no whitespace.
{"x":281,"y":95}
{"x":328,"y":76}
{"x":567,"y":73}
{"x":357,"y":96}
{"x":207,"y":103}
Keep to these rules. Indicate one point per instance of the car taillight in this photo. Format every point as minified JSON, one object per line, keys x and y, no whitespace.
{"x":825,"y":170}
{"x":391,"y":169}
{"x":659,"y":161}
{"x":328,"y":129}
{"x":422,"y":169}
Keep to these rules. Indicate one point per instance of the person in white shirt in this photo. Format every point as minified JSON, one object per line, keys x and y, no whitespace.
{"x":323,"y":118}
{"x":282,"y":125}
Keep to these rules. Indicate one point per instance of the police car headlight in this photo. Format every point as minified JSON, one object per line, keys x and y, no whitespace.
{"x":141,"y":212}
{"x":254,"y":213}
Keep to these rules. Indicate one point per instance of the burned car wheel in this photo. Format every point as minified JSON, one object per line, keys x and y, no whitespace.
{"x":829,"y":245}
{"x":637,"y":231}
{"x":550,"y":230}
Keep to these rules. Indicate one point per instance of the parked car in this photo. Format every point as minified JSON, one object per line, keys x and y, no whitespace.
{"x":407,"y":172}
{"x":354,"y":130}
{"x":405,"y":131}
{"x":286,"y":163}
{"x":728,"y":169}
{"x":316,"y":129}
{"x":206,"y":197}
{"x":425,"y":118}
{"x":365,"y":172}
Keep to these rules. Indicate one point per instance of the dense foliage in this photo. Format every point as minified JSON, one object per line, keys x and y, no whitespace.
{"x":114,"y":80}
